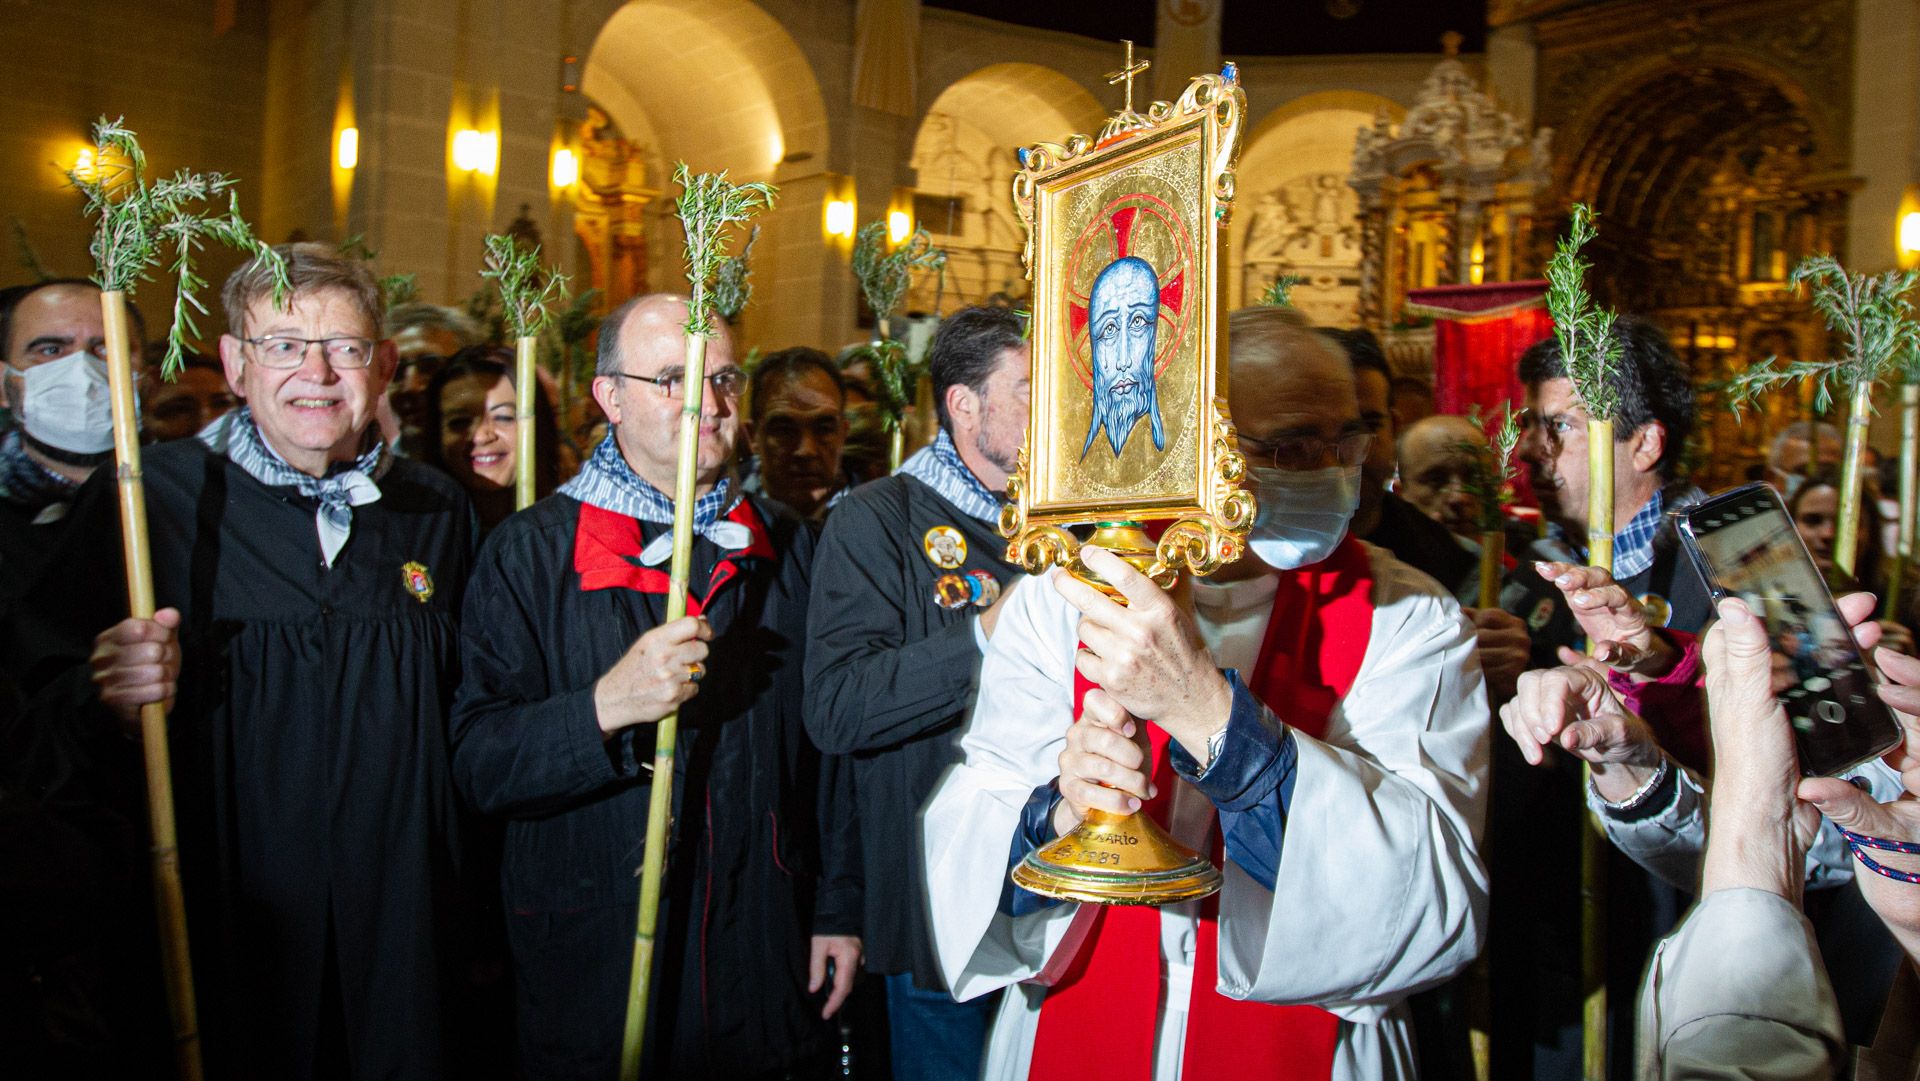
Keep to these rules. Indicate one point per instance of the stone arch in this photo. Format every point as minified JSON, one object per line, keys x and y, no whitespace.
{"x":719,"y":84}
{"x":1711,"y":177}
{"x":1294,"y":212}
{"x":963,"y":162}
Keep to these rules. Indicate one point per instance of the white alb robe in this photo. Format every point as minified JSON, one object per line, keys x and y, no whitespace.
{"x":1380,"y":890}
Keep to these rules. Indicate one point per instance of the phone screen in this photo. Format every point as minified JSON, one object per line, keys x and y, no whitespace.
{"x":1752,"y":551}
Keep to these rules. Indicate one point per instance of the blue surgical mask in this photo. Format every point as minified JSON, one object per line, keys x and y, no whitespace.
{"x":1302,"y":513}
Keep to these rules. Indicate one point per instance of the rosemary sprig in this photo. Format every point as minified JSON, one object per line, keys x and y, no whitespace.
{"x":395,"y":289}
{"x":138,"y":219}
{"x":886,"y":275}
{"x":709,"y":203}
{"x":1279,"y":294}
{"x":1491,"y":469}
{"x":733,"y":283}
{"x":1584,"y":329}
{"x":1873,"y":318}
{"x":529,"y":292}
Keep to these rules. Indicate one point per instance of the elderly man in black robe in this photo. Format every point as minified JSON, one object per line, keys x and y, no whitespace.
{"x":570,"y":661}
{"x":310,"y":584}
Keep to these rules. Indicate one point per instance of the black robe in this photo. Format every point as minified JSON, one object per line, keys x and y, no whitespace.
{"x":311,"y":779}
{"x":558,"y":597}
{"x":890,"y":677}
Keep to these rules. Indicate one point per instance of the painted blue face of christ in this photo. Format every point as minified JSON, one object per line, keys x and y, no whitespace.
{"x":1123,"y":318}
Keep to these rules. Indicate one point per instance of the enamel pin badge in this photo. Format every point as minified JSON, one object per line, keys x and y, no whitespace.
{"x":417,"y":581}
{"x":945,"y":547}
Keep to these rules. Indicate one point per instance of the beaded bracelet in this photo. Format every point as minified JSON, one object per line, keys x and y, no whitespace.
{"x":1859,"y":841}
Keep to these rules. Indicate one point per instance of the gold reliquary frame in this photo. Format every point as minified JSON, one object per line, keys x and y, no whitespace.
{"x":1128,"y":424}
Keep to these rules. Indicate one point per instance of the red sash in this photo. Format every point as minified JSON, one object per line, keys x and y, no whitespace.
{"x":1100,"y":1019}
{"x":606,"y":553}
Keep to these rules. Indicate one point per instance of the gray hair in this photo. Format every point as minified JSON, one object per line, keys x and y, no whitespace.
{"x":1803,"y":431}
{"x":422,"y":316}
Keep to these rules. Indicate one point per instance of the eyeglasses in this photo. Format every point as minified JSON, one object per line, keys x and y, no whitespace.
{"x":727,"y":383}
{"x":278,"y":351}
{"x":1299,"y":452}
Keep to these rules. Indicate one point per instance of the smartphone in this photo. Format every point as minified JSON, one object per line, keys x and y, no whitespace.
{"x":1745,"y":546}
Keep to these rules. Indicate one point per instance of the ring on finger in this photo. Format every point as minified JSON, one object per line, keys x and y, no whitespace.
{"x":696,"y":672}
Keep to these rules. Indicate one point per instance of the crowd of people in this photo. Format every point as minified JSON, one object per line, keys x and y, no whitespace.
{"x":413,"y":729}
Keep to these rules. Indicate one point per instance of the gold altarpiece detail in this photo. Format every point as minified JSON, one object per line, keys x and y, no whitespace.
{"x":609,"y":209}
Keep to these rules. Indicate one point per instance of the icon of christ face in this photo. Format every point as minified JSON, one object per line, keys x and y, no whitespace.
{"x":1123,"y":319}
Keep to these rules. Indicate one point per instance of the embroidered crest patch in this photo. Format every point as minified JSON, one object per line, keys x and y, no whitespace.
{"x":417,"y":581}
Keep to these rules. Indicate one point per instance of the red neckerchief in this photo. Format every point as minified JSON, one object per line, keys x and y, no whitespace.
{"x":606,"y":553}
{"x":1315,"y":640}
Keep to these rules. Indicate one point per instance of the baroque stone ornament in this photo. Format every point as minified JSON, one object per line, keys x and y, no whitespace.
{"x":1447,"y":196}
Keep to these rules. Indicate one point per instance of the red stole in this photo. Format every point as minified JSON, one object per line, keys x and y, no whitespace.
{"x":1100,"y":1019}
{"x":606,"y":554}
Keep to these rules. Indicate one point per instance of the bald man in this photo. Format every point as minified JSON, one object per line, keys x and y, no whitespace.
{"x":1437,"y":460}
{"x":569,"y":662}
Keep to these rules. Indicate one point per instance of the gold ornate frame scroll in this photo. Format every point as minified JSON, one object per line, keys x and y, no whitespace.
{"x":1153,"y":192}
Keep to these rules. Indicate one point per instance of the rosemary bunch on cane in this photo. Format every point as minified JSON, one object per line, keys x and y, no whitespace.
{"x":1872,"y":316}
{"x":709,"y":206}
{"x":140,"y":220}
{"x":137,"y":223}
{"x":529,"y":294}
{"x":885,"y":276}
{"x":1590,"y":352}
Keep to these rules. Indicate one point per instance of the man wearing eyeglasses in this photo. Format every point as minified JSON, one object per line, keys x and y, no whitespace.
{"x":1318,"y":726}
{"x":310,"y":584}
{"x":569,"y":662}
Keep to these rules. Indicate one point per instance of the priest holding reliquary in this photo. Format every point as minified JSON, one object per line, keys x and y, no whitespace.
{"x":1223,"y":785}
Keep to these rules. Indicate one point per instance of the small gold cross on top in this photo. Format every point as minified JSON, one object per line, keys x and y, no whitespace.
{"x":1128,"y":72}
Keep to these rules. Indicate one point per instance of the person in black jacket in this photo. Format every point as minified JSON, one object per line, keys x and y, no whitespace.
{"x":568,"y":662}
{"x":904,"y":596}
{"x":312,"y":583}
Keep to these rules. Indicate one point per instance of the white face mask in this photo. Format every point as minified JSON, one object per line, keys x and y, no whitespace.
{"x":67,"y":405}
{"x":1303,"y":513}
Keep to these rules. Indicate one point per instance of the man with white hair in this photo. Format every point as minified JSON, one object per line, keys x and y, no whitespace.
{"x":1318,"y":725}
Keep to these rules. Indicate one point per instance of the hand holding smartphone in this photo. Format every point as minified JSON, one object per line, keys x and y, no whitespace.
{"x":1745,"y":546}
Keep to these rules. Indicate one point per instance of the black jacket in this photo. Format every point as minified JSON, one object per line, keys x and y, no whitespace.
{"x":890,"y":677}
{"x":314,"y":799}
{"x":558,"y":597}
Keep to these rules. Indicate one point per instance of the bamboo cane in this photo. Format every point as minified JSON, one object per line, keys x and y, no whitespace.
{"x":169,"y":898}
{"x":1909,"y":485}
{"x":1593,"y":843}
{"x":707,"y":205}
{"x":525,"y":379}
{"x":1493,"y":566}
{"x":1846,"y":534}
{"x":660,"y":798}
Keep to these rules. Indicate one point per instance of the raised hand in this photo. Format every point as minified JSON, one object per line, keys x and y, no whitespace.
{"x":1613,"y":622}
{"x":1573,"y":709}
{"x":1147,"y":653}
{"x":661,"y":670}
{"x":1102,"y":766}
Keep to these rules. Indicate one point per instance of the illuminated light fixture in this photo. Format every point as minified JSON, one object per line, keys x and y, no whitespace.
{"x":840,"y":218}
{"x":476,"y":151}
{"x":1910,"y":232}
{"x":899,"y":226}
{"x":83,"y":164}
{"x":566,"y":168}
{"x":1477,"y":264}
{"x":346,"y":149}
{"x":776,"y":148}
